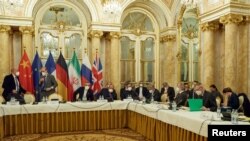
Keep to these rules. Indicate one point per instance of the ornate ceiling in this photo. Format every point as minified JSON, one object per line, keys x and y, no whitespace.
{"x":168,"y":3}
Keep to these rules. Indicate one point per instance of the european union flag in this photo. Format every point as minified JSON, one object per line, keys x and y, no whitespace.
{"x":50,"y":64}
{"x":36,"y":66}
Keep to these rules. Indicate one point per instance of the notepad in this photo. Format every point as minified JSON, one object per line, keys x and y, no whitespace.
{"x":195,"y":104}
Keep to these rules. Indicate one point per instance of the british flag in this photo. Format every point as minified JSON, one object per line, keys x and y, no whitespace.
{"x":97,"y":75}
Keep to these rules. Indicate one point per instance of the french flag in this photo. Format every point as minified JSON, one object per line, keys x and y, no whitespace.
{"x":86,"y":73}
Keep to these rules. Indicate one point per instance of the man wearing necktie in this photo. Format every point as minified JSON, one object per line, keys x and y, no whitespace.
{"x":12,"y":87}
{"x":109,"y":92}
{"x":84,"y":93}
{"x":47,"y":83}
{"x":142,"y":92}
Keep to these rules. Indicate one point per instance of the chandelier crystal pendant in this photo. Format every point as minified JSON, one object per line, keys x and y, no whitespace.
{"x":112,"y":7}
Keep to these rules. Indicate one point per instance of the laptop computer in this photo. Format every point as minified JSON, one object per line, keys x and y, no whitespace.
{"x":195,"y":104}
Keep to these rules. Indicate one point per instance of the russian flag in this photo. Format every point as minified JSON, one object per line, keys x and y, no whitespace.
{"x":86,"y":72}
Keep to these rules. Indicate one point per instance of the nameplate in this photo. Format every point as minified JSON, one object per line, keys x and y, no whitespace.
{"x":13,"y":103}
{"x":128,"y":99}
{"x":102,"y":100}
{"x":52,"y":102}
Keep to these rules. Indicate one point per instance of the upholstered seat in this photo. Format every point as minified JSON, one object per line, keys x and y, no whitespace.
{"x":55,"y":96}
{"x":1,"y":99}
{"x":164,"y":98}
{"x":218,"y":101}
{"x":29,"y":98}
{"x":241,"y":100}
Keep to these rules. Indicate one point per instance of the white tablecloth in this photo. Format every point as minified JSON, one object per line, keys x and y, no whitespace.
{"x":66,"y":107}
{"x":196,"y":122}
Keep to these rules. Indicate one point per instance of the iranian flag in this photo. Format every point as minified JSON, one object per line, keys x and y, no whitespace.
{"x":74,"y":76}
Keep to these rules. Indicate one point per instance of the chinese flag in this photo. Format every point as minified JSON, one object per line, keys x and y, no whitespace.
{"x":25,"y":76}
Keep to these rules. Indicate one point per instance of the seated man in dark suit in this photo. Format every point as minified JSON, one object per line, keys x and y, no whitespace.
{"x":209,"y":102}
{"x":192,"y":91}
{"x":12,"y":87}
{"x":129,"y":92}
{"x":142,"y":91}
{"x":83,"y":93}
{"x":109,"y":92}
{"x":166,"y":89}
{"x":231,"y":98}
{"x":181,"y":96}
{"x":47,"y":83}
{"x":154,"y":93}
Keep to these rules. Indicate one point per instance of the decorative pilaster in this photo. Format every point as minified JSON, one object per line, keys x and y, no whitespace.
{"x":5,"y":52}
{"x":242,"y":60}
{"x":169,"y":59}
{"x":114,"y":64}
{"x":231,"y":22}
{"x":27,"y":40}
{"x":96,"y":42}
{"x":11,"y":49}
{"x":209,"y":52}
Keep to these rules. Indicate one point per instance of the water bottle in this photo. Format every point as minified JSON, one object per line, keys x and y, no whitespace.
{"x":43,"y":99}
{"x":236,"y":115}
{"x":232,"y":116}
{"x":218,"y":112}
{"x":174,"y":106}
{"x":152,"y":100}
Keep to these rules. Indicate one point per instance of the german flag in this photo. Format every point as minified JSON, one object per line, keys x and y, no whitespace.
{"x":62,"y":76}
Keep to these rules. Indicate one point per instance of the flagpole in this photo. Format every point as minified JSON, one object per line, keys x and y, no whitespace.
{"x":24,"y":49}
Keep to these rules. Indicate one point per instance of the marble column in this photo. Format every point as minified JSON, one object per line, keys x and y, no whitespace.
{"x":96,"y":43}
{"x":4,"y":53}
{"x":242,"y":60}
{"x":209,"y":29}
{"x":27,"y":40}
{"x":114,"y":63}
{"x":231,"y":22}
{"x":169,"y":64}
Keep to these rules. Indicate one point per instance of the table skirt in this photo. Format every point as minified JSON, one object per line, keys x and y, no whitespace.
{"x":156,"y":130}
{"x":63,"y":122}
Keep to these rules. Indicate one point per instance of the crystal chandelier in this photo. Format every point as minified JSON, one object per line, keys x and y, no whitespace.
{"x":190,"y":3}
{"x":112,"y":7}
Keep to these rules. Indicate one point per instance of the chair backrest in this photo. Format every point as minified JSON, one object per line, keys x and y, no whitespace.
{"x":77,"y":96}
{"x":29,"y":98}
{"x":241,"y":100}
{"x":1,"y":99}
{"x":218,"y":101}
{"x":55,"y":96}
{"x":164,"y":98}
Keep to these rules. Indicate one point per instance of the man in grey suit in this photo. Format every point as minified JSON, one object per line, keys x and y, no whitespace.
{"x":47,"y":83}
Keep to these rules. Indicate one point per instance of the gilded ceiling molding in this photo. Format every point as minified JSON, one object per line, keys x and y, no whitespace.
{"x":95,"y":33}
{"x":168,"y":38}
{"x":5,"y":28}
{"x":231,"y":18}
{"x":115,"y":35}
{"x":26,"y":29}
{"x":179,"y":21}
{"x":246,"y":20}
{"x":209,"y":26}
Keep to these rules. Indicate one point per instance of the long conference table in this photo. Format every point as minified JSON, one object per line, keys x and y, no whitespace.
{"x":153,"y":121}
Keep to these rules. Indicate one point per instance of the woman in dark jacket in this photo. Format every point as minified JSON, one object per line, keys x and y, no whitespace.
{"x":245,"y":105}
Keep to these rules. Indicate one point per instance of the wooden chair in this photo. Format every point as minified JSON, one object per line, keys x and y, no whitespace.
{"x":1,"y":99}
{"x":164,"y":98}
{"x":55,"y":96}
{"x":29,"y":98}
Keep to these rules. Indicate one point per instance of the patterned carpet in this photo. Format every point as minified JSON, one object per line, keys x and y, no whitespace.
{"x":104,"y":135}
